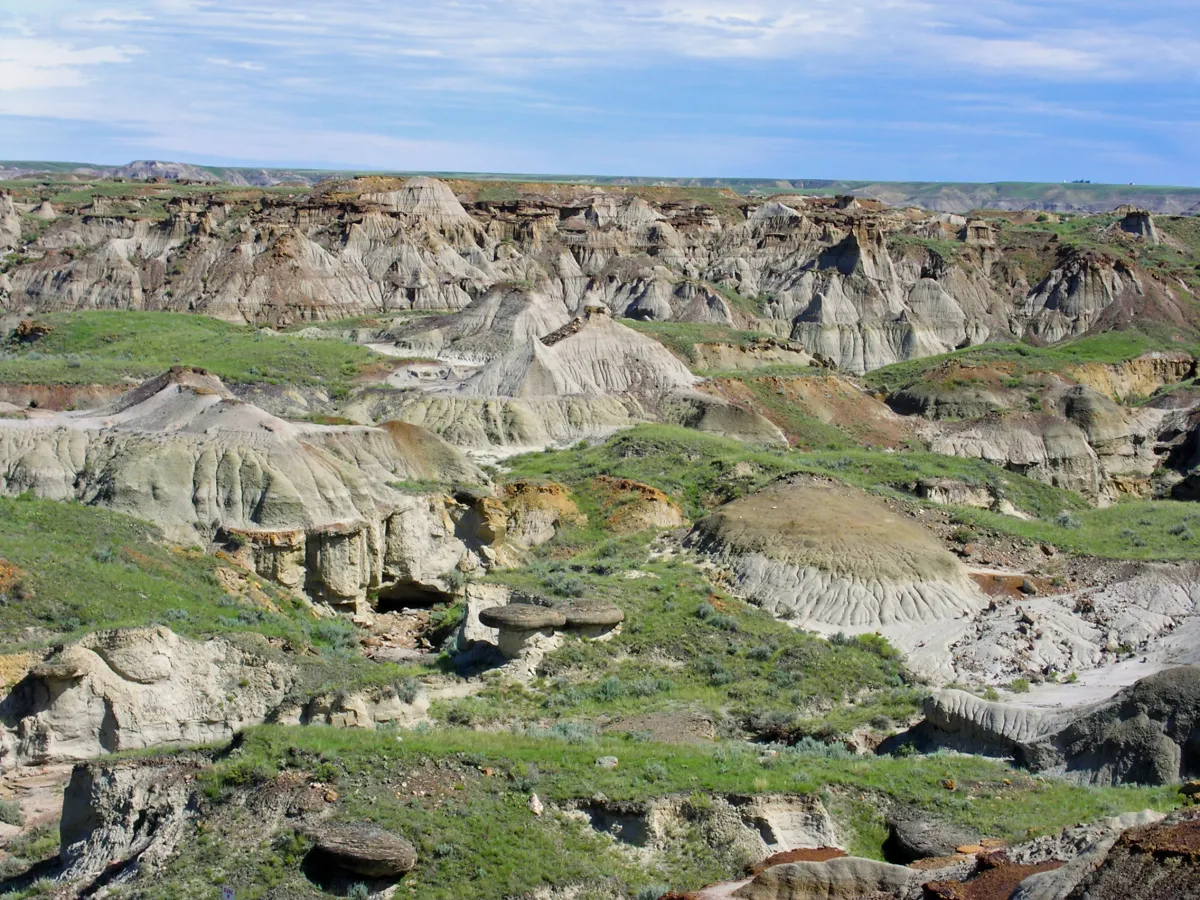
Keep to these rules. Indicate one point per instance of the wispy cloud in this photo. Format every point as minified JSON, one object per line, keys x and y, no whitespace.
{"x":235,"y":64}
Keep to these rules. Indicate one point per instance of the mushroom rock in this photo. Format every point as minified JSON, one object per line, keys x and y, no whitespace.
{"x":592,"y":618}
{"x":525,"y":630}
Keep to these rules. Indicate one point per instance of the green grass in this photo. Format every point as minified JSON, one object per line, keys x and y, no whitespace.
{"x":1133,"y":529}
{"x":681,"y":337}
{"x":1024,"y":359}
{"x":700,"y":470}
{"x":946,"y":250}
{"x":476,"y":839}
{"x":892,"y":473}
{"x":685,"y":646}
{"x":82,"y":569}
{"x":803,"y":429}
{"x":772,"y":370}
{"x":131,"y":578}
{"x":108,"y":347}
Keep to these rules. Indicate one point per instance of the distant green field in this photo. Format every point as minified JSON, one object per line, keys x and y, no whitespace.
{"x":109,"y":347}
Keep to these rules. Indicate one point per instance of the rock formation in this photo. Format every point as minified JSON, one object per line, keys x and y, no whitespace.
{"x":586,"y":379}
{"x":849,"y":280}
{"x":593,"y":355}
{"x":361,"y":850}
{"x":125,"y":690}
{"x":1148,"y":733}
{"x":131,"y":689}
{"x":1139,"y":223}
{"x":311,"y":501}
{"x":832,"y":558}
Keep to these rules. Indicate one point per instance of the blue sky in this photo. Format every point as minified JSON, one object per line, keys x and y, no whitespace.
{"x":975,"y":90}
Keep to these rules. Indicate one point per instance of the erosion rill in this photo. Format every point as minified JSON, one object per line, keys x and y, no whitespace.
{"x":376,"y":536}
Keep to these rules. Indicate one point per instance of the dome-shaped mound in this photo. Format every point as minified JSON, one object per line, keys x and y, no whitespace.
{"x":832,"y":557}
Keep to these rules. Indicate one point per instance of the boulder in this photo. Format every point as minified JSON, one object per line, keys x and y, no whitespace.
{"x":364,"y":850}
{"x":913,"y":837}
{"x":844,"y":878}
{"x":596,"y":619}
{"x":524,"y":631}
{"x":591,"y":614}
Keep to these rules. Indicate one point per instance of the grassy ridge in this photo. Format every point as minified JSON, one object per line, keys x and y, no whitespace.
{"x":131,"y":578}
{"x":476,"y":839}
{"x":681,"y":338}
{"x":108,"y":347}
{"x":1025,"y":359}
{"x":700,"y":471}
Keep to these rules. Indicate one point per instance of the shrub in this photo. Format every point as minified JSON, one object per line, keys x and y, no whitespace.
{"x":10,"y":813}
{"x":723,"y":622}
{"x":408,"y":690}
{"x":655,"y":771}
{"x":573,"y":732}
{"x":564,"y":585}
{"x":1019,"y":686}
{"x":705,"y":611}
{"x":336,"y":633}
{"x":359,"y":891}
{"x":1067,"y":519}
{"x":761,"y":652}
{"x":812,"y":748}
{"x":611,"y":688}
{"x":652,"y":892}
{"x":648,"y":687}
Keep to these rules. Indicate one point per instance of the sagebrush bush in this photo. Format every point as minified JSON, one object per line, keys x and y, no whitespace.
{"x":10,"y":813}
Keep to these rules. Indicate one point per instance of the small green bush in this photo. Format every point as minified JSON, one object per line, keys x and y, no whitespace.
{"x":10,"y":813}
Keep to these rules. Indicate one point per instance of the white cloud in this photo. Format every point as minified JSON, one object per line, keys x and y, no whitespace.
{"x":235,"y":64}
{"x":35,"y":64}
